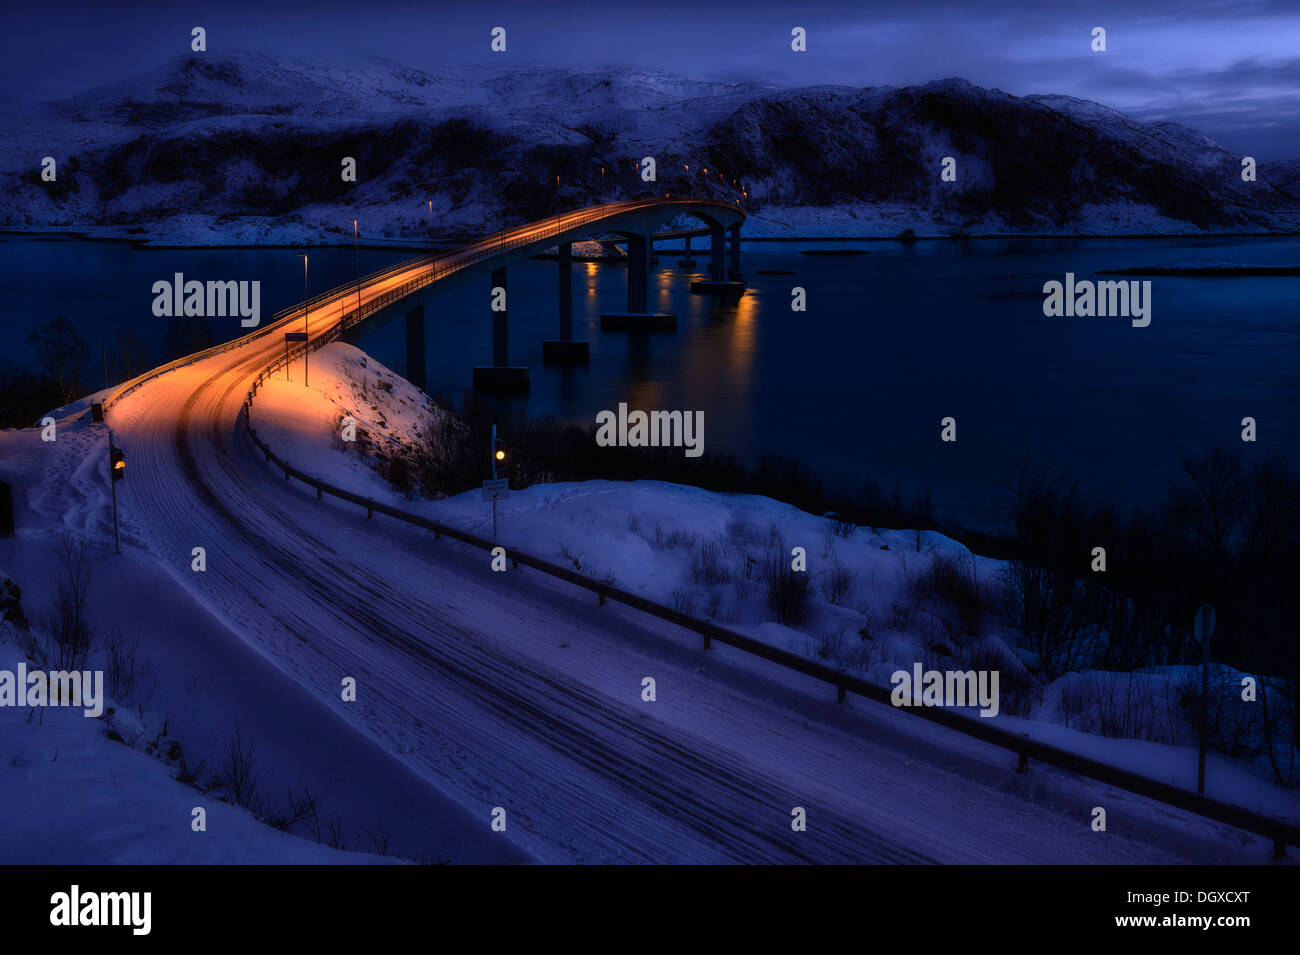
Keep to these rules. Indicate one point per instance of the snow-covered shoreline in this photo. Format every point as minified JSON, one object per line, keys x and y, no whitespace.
{"x":808,"y":224}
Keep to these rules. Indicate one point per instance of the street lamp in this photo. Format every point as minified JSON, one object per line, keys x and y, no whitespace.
{"x":498,"y":458}
{"x":304,"y":318}
{"x":498,"y":452}
{"x":356,"y":258}
{"x":117,"y":470}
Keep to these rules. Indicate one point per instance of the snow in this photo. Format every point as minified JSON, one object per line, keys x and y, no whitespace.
{"x":101,"y":801}
{"x":72,"y":796}
{"x":651,"y":538}
{"x":480,"y":690}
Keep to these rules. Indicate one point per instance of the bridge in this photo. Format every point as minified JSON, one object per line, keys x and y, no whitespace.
{"x":635,"y":221}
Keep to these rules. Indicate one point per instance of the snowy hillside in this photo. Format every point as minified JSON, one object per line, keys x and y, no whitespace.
{"x":875,"y":601}
{"x":55,"y":762}
{"x":246,"y":147}
{"x":179,"y":679}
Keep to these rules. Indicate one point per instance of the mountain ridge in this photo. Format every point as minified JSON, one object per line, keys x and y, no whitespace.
{"x":243,"y":146}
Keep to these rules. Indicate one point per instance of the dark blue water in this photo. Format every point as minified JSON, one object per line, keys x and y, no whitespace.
{"x":856,"y":386}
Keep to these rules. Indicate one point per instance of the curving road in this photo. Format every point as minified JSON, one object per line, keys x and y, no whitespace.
{"x":515,"y":691}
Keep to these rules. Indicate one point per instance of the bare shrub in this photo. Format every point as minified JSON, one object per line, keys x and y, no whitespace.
{"x":1114,"y":705}
{"x":121,"y":667}
{"x":65,"y":644}
{"x":827,"y":645}
{"x":842,"y":527}
{"x":838,"y":584}
{"x":954,"y":581}
{"x":714,"y":605}
{"x":678,"y":538}
{"x":1057,"y":615}
{"x":707,"y":566}
{"x":400,"y":470}
{"x":237,"y":775}
{"x":787,"y":590}
{"x":298,"y":810}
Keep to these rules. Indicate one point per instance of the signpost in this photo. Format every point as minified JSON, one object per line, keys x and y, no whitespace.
{"x":1202,"y":628}
{"x":294,"y":337}
{"x":117,"y":470}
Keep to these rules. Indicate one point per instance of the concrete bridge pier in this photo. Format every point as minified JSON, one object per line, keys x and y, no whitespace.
{"x":717,"y":243}
{"x":687,"y":262}
{"x":415,"y":359}
{"x":719,"y":282}
{"x":638,"y":272}
{"x":565,"y":349}
{"x":638,"y":281}
{"x":500,"y":375}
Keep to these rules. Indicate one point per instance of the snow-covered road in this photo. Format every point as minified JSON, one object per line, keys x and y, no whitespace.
{"x":511,"y":690}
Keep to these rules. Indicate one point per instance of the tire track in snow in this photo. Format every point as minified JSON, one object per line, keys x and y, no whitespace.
{"x":727,"y":804}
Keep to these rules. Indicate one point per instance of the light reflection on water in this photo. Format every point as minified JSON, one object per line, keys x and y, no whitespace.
{"x":855,"y":387}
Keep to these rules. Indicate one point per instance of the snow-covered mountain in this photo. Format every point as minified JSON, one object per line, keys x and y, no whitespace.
{"x":243,"y":146}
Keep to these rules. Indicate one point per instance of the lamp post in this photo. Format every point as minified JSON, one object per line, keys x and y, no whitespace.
{"x":304,"y":318}
{"x":1202,"y":628}
{"x":430,"y":201}
{"x":498,"y":457}
{"x":117,"y":471}
{"x":356,"y":258}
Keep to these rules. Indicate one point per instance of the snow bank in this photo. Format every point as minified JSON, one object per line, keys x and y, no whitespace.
{"x":72,"y":795}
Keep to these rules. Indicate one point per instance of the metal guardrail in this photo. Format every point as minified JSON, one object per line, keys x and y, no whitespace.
{"x":1276,"y":829}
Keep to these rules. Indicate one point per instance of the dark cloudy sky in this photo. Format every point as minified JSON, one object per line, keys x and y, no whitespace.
{"x":1230,"y":68}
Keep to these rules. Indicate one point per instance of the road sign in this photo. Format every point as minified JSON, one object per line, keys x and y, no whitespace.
{"x":496,"y":490}
{"x":295,"y":336}
{"x":1203,"y":624}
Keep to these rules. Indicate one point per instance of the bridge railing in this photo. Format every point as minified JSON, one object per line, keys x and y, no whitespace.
{"x":276,"y":322}
{"x":488,"y":247}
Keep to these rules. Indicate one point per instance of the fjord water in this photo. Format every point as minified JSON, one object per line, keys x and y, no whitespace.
{"x":856,"y":386}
